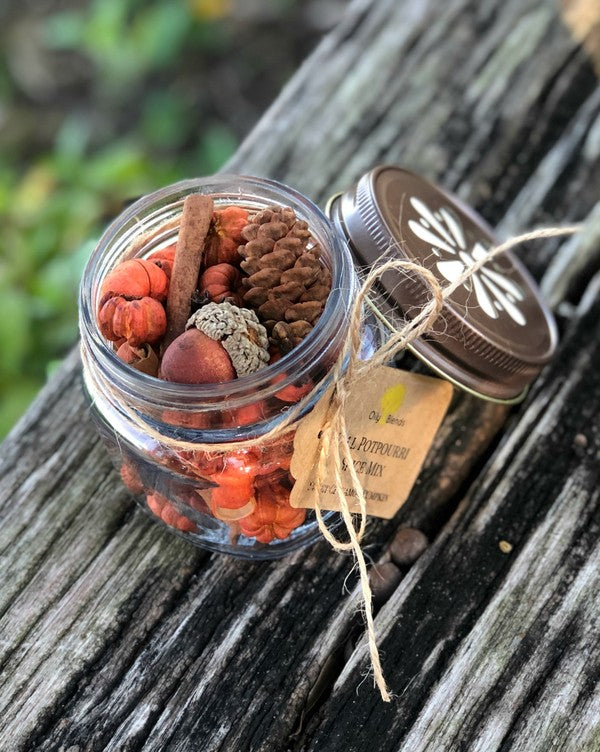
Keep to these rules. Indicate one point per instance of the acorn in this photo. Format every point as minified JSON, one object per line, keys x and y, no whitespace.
{"x":195,"y":358}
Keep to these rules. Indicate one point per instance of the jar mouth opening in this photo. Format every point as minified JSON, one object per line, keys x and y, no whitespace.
{"x":227,"y":189}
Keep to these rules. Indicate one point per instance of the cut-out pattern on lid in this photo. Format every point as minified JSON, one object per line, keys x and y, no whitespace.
{"x":440,"y":228}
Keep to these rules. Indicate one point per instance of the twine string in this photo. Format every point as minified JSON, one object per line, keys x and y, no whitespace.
{"x":333,"y":443}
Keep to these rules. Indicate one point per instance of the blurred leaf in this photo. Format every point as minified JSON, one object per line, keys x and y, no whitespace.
{"x":217,"y":145}
{"x":159,"y":32}
{"x":73,"y":137}
{"x":165,"y":121}
{"x":15,"y":399}
{"x":210,"y":9}
{"x":34,"y":189}
{"x":14,"y":332}
{"x":64,"y":30}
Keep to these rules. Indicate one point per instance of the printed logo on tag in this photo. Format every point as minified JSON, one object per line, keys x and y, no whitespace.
{"x":392,"y":417}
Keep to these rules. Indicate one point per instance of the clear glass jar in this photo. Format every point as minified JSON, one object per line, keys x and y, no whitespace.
{"x":237,"y":501}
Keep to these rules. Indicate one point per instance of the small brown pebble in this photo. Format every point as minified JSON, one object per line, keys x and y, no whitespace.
{"x":384,"y":579}
{"x":408,"y":544}
{"x":505,"y":547}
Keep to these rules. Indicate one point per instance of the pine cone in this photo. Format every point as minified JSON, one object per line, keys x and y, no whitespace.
{"x":287,"y":285}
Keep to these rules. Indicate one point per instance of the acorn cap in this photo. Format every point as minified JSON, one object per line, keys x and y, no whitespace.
{"x":495,"y":333}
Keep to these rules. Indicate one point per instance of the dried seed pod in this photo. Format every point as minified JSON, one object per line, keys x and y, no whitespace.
{"x":273,"y":517}
{"x":303,"y":275}
{"x":164,"y":259}
{"x":225,"y":235}
{"x":220,"y":282}
{"x":256,"y":296}
{"x":317,"y":291}
{"x":162,"y":508}
{"x":142,"y":358}
{"x":384,"y":578}
{"x":195,"y":358}
{"x":238,"y":330}
{"x":137,"y":321}
{"x":135,"y":278}
{"x":274,"y":309}
{"x":131,"y":478}
{"x":408,"y":545}
{"x":281,"y":259}
{"x":309,"y":311}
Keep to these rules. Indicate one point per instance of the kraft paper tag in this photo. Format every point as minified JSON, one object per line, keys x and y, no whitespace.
{"x":392,"y":417}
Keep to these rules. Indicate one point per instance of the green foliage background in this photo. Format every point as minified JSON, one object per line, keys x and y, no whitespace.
{"x":100,"y":102}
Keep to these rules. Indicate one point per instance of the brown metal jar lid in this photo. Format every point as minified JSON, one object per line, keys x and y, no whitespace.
{"x":495,"y":333}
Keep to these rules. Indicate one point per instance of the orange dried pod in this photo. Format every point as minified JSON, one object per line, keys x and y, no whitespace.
{"x":292,"y":392}
{"x":186,"y":525}
{"x":164,"y":259}
{"x":246,"y":415}
{"x":225,"y":236}
{"x":238,"y":468}
{"x":220,"y":282}
{"x":173,"y":518}
{"x":138,"y":321}
{"x":135,"y":278}
{"x":197,"y":501}
{"x":156,"y":502}
{"x":230,"y":497}
{"x":238,"y":488}
{"x":200,"y":463}
{"x":142,"y":357}
{"x":183,"y":419}
{"x":162,"y":508}
{"x":273,"y":517}
{"x":131,"y":478}
{"x":230,"y":221}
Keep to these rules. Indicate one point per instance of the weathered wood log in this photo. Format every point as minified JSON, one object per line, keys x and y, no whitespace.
{"x":118,"y":636}
{"x":481,"y":636}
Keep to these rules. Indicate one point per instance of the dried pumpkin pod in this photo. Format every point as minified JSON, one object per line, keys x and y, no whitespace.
{"x":135,"y":278}
{"x":137,"y":321}
{"x":272,"y":517}
{"x":220,"y":283}
{"x":224,"y":236}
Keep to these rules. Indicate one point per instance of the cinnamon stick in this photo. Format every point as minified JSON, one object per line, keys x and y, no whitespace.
{"x":193,"y":229}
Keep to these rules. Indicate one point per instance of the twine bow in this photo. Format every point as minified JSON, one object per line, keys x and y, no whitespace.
{"x":333,"y":437}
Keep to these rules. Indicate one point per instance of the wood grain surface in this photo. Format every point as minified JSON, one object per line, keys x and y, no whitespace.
{"x":117,"y":636}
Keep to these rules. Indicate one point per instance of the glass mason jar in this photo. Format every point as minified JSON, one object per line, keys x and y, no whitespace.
{"x":235,"y":501}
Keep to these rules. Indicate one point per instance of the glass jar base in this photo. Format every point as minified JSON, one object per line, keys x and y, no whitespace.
{"x":220,"y":540}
